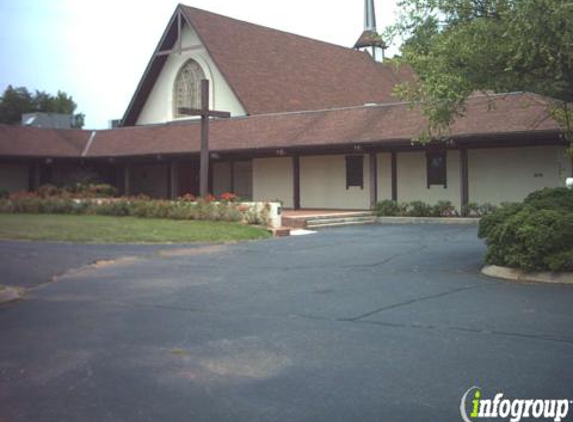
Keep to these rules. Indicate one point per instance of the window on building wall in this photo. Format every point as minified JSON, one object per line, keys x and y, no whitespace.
{"x":354,"y":171}
{"x":436,"y":169}
{"x":187,"y":88}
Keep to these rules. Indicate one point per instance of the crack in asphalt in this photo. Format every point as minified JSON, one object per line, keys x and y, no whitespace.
{"x":385,"y":261}
{"x":426,"y":327}
{"x":328,"y":265}
{"x":409,"y":302}
{"x":356,"y":320}
{"x":540,"y":337}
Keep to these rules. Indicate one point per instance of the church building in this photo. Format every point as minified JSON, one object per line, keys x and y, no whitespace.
{"x":312,"y":124}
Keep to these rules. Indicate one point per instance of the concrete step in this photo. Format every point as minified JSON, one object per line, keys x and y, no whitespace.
{"x":313,"y":223}
{"x":322,"y":221}
{"x":345,"y":224}
{"x":280,"y":232}
{"x":294,"y":223}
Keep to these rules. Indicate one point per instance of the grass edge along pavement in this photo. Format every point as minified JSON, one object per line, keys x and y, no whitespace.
{"x":107,"y":229}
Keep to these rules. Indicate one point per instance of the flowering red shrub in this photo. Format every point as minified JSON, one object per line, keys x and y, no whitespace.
{"x":48,"y":191}
{"x":187,"y":198}
{"x":229,"y":197}
{"x":15,"y":196}
{"x":209,"y":198}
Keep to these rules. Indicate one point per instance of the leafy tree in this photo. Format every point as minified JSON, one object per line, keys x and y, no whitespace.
{"x":16,"y":101}
{"x":457,"y":47}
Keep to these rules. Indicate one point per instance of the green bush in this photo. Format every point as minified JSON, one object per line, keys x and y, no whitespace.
{"x":419,"y":209}
{"x":4,"y":193}
{"x":387,"y":208}
{"x":52,"y":202}
{"x":486,"y":209}
{"x":118,"y":208}
{"x":444,"y":209}
{"x":91,"y":190}
{"x":47,"y":191}
{"x":497,"y":218}
{"x":551,"y":198}
{"x":536,"y":234}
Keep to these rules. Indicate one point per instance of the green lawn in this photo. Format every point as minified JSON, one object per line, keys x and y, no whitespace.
{"x":101,"y":229}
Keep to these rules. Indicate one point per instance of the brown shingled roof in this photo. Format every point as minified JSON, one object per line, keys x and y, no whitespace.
{"x":381,"y":124}
{"x":273,"y":71}
{"x":386,"y":124}
{"x":19,"y":141}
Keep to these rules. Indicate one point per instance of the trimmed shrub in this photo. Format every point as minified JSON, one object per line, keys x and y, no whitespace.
{"x":387,"y":208}
{"x":472,"y":209}
{"x":486,"y":209}
{"x":534,"y":235}
{"x":497,"y":218}
{"x":419,"y":209}
{"x":548,"y":198}
{"x":30,"y":202}
{"x":444,"y":209}
{"x":47,"y":191}
{"x":92,"y":190}
{"x":119,"y":208}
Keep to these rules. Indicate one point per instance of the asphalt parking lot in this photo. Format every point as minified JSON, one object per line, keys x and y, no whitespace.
{"x":370,"y":323}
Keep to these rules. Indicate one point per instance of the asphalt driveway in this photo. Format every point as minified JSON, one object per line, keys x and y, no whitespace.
{"x":372,"y":323}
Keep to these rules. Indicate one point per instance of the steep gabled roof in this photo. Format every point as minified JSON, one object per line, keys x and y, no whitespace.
{"x":272,"y":71}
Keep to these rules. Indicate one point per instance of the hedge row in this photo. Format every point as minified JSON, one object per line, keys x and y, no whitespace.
{"x":390,"y":208}
{"x":534,"y":235}
{"x":137,"y":207}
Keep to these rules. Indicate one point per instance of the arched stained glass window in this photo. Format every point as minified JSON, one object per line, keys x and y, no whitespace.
{"x":187,"y":88}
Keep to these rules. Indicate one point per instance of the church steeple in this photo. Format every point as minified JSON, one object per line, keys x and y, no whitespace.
{"x":369,"y":16}
{"x":370,"y":40}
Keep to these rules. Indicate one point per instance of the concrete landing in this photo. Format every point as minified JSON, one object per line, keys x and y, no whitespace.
{"x":314,"y":219}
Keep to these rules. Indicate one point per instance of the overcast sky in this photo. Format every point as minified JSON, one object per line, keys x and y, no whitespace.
{"x":97,"y":50}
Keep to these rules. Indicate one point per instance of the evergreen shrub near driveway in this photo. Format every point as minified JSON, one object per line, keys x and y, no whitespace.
{"x":534,"y":235}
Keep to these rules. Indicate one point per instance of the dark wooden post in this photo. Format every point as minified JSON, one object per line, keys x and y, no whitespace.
{"x":126,"y":180}
{"x":373,"y":158}
{"x":33,"y":176}
{"x":464,"y":180}
{"x":173,"y":179}
{"x":204,"y":169}
{"x":394,"y":166}
{"x":232,"y":176}
{"x":296,"y":182}
{"x":205,"y":114}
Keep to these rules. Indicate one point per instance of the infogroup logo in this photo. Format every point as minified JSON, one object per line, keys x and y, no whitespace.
{"x":473,"y":407}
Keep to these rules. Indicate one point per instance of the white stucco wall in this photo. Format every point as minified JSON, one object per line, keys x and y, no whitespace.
{"x":323,"y":184}
{"x":510,"y":174}
{"x":272,"y":179}
{"x":14,"y":177}
{"x":495,"y":175}
{"x":159,"y":105}
{"x":384,"y":176}
{"x":149,"y":179}
{"x":412,"y":182}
